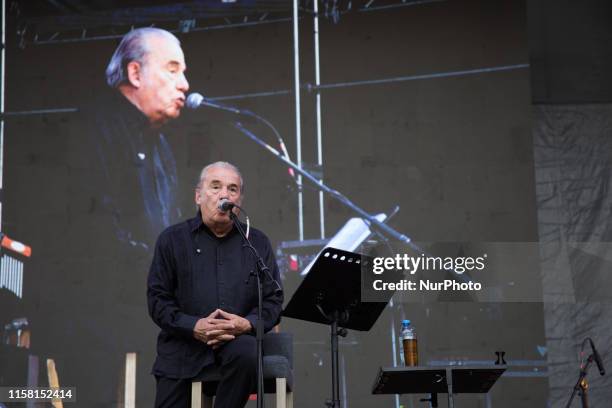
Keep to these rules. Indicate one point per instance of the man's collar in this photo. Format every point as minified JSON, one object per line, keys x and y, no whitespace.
{"x":196,"y":222}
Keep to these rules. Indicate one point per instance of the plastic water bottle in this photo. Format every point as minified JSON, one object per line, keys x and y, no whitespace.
{"x":409,"y":354}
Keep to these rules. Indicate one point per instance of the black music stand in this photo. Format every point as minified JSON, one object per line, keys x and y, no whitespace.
{"x":331,"y":294}
{"x":437,"y":380}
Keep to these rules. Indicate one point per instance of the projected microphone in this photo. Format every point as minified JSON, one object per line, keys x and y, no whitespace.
{"x":196,"y":100}
{"x":225,"y":205}
{"x":597,"y":358}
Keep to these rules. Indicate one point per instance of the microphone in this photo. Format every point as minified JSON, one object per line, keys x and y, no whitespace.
{"x":597,"y":358}
{"x":196,"y":100}
{"x":225,"y":205}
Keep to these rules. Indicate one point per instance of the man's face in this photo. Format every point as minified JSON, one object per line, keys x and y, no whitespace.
{"x":219,"y":183}
{"x":162,"y":82}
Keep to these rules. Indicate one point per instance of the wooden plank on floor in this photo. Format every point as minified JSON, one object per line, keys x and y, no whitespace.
{"x":130,"y":380}
{"x":53,"y":381}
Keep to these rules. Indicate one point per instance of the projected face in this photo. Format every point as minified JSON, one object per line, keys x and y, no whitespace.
{"x":160,"y":82}
{"x":219,"y":183}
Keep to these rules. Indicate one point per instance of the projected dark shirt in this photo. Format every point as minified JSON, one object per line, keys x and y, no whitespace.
{"x":138,"y":169}
{"x":193,"y":273}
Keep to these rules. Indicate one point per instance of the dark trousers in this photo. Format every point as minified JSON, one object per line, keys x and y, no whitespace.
{"x":237,"y":361}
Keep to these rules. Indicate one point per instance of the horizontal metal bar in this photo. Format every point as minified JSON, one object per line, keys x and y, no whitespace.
{"x":424,"y":76}
{"x":525,"y":374}
{"x":252,"y":95}
{"x":392,"y":6}
{"x":39,"y":112}
{"x":310,"y":87}
{"x":447,"y":74}
{"x":459,"y":363}
{"x":241,"y":24}
{"x":176,"y":31}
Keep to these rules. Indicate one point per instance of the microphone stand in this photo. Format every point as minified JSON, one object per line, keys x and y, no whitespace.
{"x":260,"y":271}
{"x":336,"y":194}
{"x":370,"y":219}
{"x":581,"y":385}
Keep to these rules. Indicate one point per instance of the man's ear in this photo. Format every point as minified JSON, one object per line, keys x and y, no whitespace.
{"x":198,"y":198}
{"x":134,"y":73}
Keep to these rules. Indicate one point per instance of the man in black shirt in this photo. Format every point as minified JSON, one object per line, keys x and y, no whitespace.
{"x":202,"y":295}
{"x":146,"y":88}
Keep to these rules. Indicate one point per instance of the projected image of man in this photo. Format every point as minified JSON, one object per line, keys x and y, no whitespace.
{"x":145,"y":90}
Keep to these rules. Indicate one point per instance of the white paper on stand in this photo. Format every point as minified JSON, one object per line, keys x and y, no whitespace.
{"x":350,"y":236}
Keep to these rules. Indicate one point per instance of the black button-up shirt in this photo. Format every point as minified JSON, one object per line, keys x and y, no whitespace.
{"x":193,"y":273}
{"x":139,"y":182}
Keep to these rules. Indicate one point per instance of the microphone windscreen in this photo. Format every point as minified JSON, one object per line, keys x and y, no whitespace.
{"x":194,"y":100}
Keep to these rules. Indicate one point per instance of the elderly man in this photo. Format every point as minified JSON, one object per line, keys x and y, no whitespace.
{"x":148,"y":69}
{"x":203,"y":296}
{"x":146,"y":76}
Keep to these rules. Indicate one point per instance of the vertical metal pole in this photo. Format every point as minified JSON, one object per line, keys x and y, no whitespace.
{"x":335,"y":402}
{"x":298,"y":118}
{"x":343,"y":368}
{"x":318,"y":113}
{"x":32,"y":378}
{"x":449,"y":383}
{"x":393,"y":347}
{"x":2,"y":62}
{"x":11,"y":281}
{"x":259,"y":331}
{"x":20,"y":280}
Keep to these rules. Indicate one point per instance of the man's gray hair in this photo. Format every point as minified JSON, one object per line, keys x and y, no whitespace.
{"x":220,"y":164}
{"x":133,"y":47}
